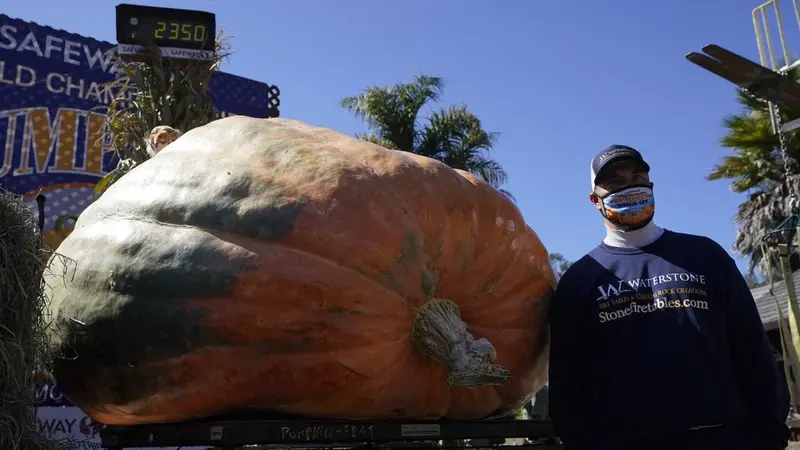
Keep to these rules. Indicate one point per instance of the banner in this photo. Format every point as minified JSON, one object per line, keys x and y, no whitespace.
{"x":72,"y":425}
{"x":51,"y":83}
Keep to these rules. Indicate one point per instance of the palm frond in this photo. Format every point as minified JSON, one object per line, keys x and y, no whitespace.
{"x":391,"y":112}
{"x":756,"y":166}
{"x":456,"y":137}
{"x":761,"y":213}
{"x":376,"y":139}
{"x":508,"y":194}
{"x":452,"y":135}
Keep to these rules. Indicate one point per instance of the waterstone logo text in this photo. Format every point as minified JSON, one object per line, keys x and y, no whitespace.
{"x":626,"y":286}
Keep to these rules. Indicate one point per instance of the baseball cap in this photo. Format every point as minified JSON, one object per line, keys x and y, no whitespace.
{"x":615,"y":153}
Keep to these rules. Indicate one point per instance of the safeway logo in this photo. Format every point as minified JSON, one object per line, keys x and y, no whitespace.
{"x":56,"y":427}
{"x":86,"y":427}
{"x":72,"y":425}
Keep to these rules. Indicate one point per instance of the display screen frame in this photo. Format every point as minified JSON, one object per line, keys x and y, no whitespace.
{"x":136,"y":25}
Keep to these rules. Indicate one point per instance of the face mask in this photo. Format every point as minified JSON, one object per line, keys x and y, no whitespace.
{"x":629,"y":208}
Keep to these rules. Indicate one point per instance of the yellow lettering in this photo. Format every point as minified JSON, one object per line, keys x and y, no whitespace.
{"x":49,"y":140}
{"x":200,"y":33}
{"x":67,"y":126}
{"x":186,"y":32}
{"x":11,"y":130}
{"x":24,"y":167}
{"x":53,"y":142}
{"x":94,"y":143}
{"x":159,"y":34}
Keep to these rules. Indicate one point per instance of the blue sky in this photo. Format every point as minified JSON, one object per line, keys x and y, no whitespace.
{"x":558,"y":79}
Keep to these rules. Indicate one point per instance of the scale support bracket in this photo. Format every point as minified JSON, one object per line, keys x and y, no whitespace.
{"x":760,"y":81}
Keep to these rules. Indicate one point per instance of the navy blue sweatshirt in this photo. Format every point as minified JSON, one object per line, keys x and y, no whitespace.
{"x":647,"y":344}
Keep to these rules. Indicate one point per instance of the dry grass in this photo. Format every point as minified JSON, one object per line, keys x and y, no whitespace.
{"x":159,"y":91}
{"x":23,"y":340}
{"x":156,"y":91}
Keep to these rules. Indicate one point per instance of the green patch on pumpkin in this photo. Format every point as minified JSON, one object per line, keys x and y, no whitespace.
{"x":429,"y":283}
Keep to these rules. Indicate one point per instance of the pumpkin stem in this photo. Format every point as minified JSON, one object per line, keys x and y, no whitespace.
{"x":439,"y":332}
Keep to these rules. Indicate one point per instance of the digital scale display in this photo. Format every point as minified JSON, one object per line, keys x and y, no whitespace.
{"x":179,"y":33}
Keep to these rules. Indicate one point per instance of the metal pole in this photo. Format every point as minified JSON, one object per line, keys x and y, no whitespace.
{"x":784,"y":48}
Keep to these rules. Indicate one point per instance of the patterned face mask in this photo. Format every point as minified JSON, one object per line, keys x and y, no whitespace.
{"x":630,"y":208}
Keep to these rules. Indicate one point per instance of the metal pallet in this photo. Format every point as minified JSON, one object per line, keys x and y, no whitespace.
{"x":234,"y":434}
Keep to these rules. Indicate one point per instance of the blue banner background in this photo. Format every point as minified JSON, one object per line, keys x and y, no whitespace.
{"x":51,"y":83}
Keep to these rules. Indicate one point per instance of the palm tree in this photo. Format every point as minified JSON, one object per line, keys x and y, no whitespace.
{"x":560,"y":263}
{"x":756,"y":169}
{"x":452,"y":135}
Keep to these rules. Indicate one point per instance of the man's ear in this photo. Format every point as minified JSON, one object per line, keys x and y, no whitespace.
{"x":593,"y":198}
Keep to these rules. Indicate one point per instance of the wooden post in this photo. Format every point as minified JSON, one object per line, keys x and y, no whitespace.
{"x":792,"y":338}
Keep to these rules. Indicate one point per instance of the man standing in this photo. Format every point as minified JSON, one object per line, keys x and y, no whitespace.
{"x":656,"y":342}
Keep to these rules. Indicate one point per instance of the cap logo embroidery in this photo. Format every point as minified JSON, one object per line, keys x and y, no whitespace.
{"x":614,"y":152}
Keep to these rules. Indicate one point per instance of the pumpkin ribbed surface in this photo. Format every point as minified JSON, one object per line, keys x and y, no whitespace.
{"x":274,"y":265}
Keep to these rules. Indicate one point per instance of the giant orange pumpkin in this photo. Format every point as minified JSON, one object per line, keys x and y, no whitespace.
{"x":273,"y":265}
